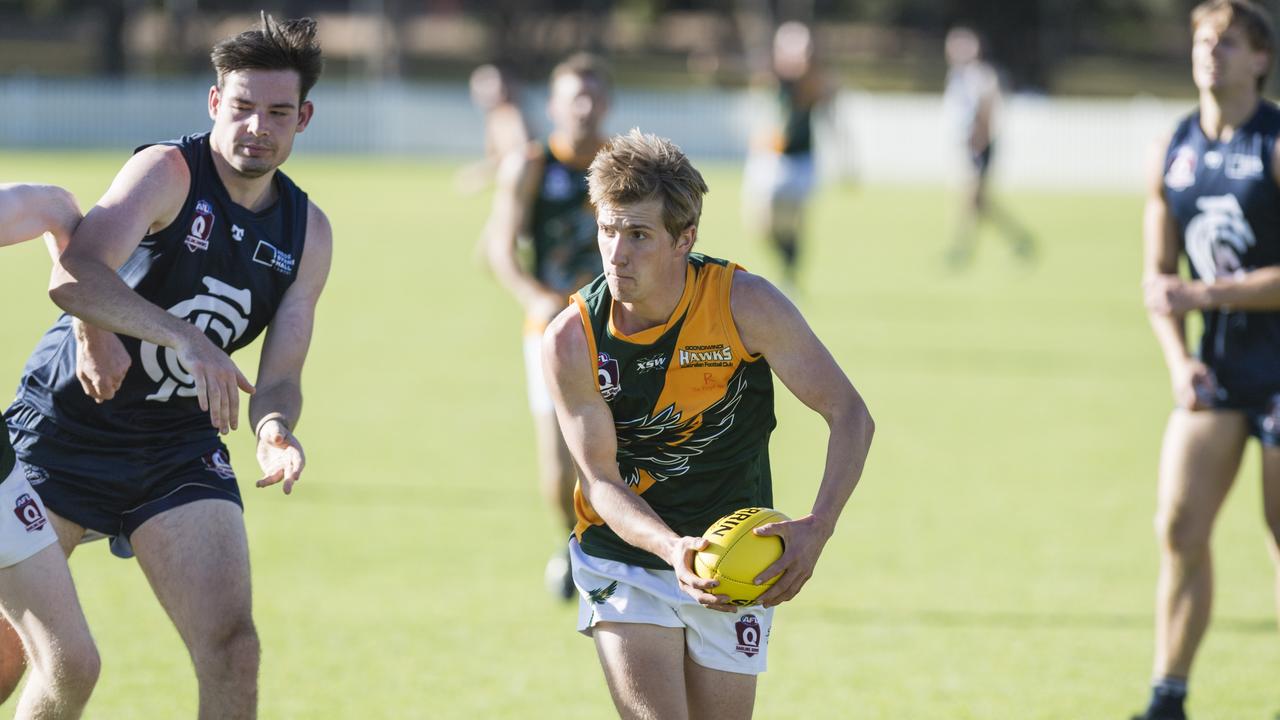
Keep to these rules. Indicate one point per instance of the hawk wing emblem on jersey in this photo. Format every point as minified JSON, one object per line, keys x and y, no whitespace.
{"x":664,"y":442}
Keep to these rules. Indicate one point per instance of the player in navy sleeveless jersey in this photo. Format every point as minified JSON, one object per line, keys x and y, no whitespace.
{"x":1214,"y":196}
{"x":541,"y":203}
{"x":36,"y":593}
{"x":199,"y":245}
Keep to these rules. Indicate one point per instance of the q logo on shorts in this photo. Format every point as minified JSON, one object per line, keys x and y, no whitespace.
{"x":748,"y":635}
{"x":28,"y":513}
{"x":223,"y":315}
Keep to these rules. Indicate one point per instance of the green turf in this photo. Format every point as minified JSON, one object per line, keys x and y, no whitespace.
{"x":997,"y":561}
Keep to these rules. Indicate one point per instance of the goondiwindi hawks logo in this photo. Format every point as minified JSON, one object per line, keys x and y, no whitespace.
{"x":663,"y":443}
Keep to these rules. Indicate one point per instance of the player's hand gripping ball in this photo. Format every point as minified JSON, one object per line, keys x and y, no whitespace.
{"x":735,"y":555}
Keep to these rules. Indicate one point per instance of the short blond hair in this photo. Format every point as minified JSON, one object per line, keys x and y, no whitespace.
{"x":638,"y":167}
{"x":1252,"y":19}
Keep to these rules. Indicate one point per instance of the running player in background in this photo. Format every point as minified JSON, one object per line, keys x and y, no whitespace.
{"x":781,"y":173}
{"x":213,"y":245}
{"x":541,"y":206}
{"x":493,"y":92}
{"x":1214,"y":196}
{"x":971,"y":106}
{"x":37,"y":596}
{"x":662,"y":374}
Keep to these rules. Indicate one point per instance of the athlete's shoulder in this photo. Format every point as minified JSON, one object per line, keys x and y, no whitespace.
{"x":319,"y":230}
{"x":565,"y":339}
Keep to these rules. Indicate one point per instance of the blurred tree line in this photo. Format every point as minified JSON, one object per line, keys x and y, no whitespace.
{"x":1041,"y":45}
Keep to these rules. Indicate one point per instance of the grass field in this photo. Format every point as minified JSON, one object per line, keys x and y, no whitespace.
{"x":996,"y":562}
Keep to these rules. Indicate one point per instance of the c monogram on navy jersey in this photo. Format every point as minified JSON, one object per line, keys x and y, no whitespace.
{"x":1225,"y":201}
{"x":218,"y":265}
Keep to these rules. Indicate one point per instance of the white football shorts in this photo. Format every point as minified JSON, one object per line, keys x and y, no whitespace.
{"x":611,"y":591}
{"x":24,"y":523}
{"x":540,"y":402}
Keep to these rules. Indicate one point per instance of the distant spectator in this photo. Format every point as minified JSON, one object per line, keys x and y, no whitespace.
{"x":971,"y":105}
{"x":494,"y":93}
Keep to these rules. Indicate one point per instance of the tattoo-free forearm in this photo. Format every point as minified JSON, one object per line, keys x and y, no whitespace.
{"x":281,"y":397}
{"x":91,"y":291}
{"x":630,"y":516}
{"x":851,"y":431}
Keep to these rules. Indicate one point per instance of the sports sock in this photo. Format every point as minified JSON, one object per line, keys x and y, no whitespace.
{"x":1168,"y":694}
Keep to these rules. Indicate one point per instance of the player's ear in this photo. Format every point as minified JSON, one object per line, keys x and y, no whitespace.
{"x":215,"y":99}
{"x":304,"y":115}
{"x":688,"y":236}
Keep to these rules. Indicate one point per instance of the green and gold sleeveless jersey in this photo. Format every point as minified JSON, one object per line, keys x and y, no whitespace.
{"x":692,"y":410}
{"x":563,"y":226}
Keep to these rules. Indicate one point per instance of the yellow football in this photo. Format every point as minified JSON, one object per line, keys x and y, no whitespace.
{"x":735,"y":555}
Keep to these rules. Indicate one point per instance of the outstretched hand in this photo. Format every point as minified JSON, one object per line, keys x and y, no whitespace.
{"x":698,"y":588}
{"x":802,"y":543}
{"x":280,"y":456}
{"x":217,"y":379}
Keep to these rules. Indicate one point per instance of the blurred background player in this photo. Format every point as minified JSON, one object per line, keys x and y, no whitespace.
{"x":495,"y":95}
{"x":541,"y":206}
{"x":1214,"y":195}
{"x":780,"y":172}
{"x":37,"y":596}
{"x":662,"y":374}
{"x":971,"y":104}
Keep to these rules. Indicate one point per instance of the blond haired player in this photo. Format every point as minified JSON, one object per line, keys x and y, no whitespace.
{"x":662,"y":376}
{"x":1214,"y":196}
{"x":541,"y":202}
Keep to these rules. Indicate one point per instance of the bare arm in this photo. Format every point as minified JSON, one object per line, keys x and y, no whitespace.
{"x":512,"y":205}
{"x":146,"y":195}
{"x":28,"y":211}
{"x":276,"y":406}
{"x":1193,"y":384}
{"x":771,"y":326}
{"x":587,"y":425}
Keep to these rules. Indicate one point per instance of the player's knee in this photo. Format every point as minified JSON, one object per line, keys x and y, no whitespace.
{"x":76,"y":672}
{"x":232,"y":649}
{"x":1181,"y":534}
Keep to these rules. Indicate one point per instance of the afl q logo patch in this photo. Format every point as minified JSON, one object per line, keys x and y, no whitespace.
{"x":28,"y":513}
{"x":608,"y":375}
{"x":223,"y":315}
{"x":748,"y":635}
{"x":201,"y":227}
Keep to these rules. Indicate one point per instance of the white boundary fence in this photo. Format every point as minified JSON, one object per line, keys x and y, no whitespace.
{"x":1051,"y":143}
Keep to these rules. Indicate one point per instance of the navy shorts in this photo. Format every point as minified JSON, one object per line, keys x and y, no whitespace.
{"x":1262,"y":413}
{"x":112,"y":490}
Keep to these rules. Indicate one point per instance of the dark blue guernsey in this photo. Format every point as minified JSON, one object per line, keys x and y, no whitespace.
{"x":220,"y":266}
{"x":1227,"y":206}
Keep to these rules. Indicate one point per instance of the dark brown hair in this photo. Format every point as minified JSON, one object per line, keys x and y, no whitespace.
{"x":1252,"y":19}
{"x":290,"y":45}
{"x":637,"y":168}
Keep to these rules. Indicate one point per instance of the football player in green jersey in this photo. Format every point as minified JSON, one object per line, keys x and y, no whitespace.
{"x":541,"y":204}
{"x":670,"y":647}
